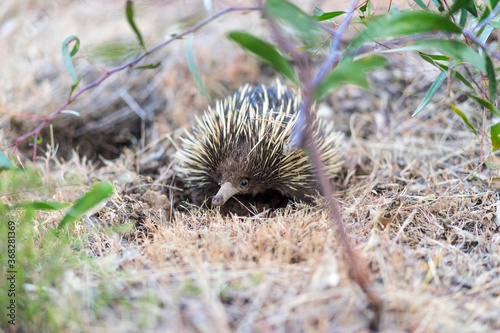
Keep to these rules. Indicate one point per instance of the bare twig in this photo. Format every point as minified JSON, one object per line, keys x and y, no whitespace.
{"x":488,"y":19}
{"x":484,"y":46}
{"x":333,"y":57}
{"x":45,"y":120}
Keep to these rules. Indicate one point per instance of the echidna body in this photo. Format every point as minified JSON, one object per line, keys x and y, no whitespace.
{"x":242,"y":147}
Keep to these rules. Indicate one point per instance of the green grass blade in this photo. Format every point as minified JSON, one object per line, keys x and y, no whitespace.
{"x":43,"y":205}
{"x":90,"y":199}
{"x":266,"y":52}
{"x":431,"y":92}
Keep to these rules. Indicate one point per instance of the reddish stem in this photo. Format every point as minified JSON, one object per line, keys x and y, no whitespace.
{"x":357,"y":269}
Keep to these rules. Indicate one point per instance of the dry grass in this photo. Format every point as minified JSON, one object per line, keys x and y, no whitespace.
{"x":421,"y":213}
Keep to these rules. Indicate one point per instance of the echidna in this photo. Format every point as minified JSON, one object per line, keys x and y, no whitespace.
{"x":242,"y":147}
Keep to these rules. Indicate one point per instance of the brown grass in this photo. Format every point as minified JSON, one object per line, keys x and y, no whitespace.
{"x":420,"y":210}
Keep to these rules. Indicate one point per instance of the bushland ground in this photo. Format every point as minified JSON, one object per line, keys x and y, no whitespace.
{"x":420,"y":211}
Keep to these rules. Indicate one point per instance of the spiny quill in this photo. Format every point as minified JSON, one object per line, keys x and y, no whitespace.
{"x":242,"y":147}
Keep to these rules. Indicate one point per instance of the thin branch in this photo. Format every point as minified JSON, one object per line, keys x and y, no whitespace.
{"x":326,"y":66}
{"x":471,"y":77}
{"x":484,"y":46}
{"x":303,"y":134}
{"x":488,"y":19}
{"x":44,"y":121}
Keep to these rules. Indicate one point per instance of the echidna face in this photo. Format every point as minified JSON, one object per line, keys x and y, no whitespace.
{"x":239,"y":147}
{"x":236,"y":175}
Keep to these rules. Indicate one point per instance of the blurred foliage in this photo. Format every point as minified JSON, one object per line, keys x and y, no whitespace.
{"x":36,"y":256}
{"x":448,"y":36}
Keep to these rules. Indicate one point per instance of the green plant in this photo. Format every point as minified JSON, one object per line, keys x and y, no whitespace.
{"x":34,"y":257}
{"x":458,"y":36}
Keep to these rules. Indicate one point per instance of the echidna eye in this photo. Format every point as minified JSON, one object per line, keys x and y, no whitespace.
{"x":244,"y":182}
{"x":219,"y":180}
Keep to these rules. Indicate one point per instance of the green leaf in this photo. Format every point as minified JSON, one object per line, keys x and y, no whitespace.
{"x":460,"y":77}
{"x":431,"y":92}
{"x":484,"y":103}
{"x":318,"y":11}
{"x":89,"y":200}
{"x":463,"y":4}
{"x":485,"y":14}
{"x":495,"y":24}
{"x":348,"y":71}
{"x":193,"y":68}
{"x":439,"y":5}
{"x":5,"y":163}
{"x":431,"y":59}
{"x":487,"y":30}
{"x":455,"y":50}
{"x":129,"y":10}
{"x":39,"y":140}
{"x":421,"y":4}
{"x":43,"y":205}
{"x":150,"y":66}
{"x":463,"y":18}
{"x":406,"y":23}
{"x":74,"y":86}
{"x":492,"y":3}
{"x":305,"y":25}
{"x":266,"y":52}
{"x":115,"y":52}
{"x":363,"y":9}
{"x":490,"y":71}
{"x":328,"y":16}
{"x":394,"y":10}
{"x":67,"y":55}
{"x":464,"y":117}
{"x":495,"y":136}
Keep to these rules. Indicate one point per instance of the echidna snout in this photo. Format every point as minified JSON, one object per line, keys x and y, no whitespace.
{"x":233,"y":180}
{"x":226,"y":191}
